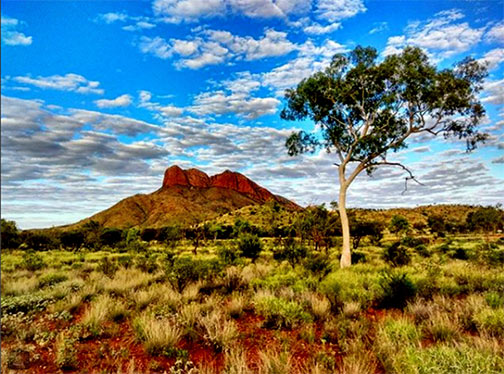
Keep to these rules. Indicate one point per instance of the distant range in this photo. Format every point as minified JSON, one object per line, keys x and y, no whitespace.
{"x":187,"y":197}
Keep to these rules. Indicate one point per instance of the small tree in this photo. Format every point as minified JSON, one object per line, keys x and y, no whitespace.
{"x":364,"y":110}
{"x":72,"y":239}
{"x":10,"y":234}
{"x":398,"y":225}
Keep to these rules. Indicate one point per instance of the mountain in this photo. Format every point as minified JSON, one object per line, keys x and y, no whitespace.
{"x":187,"y":197}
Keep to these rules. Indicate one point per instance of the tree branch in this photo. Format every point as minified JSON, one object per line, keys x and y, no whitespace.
{"x":398,"y":164}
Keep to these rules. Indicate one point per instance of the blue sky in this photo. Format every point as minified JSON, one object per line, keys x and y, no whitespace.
{"x":98,"y":98}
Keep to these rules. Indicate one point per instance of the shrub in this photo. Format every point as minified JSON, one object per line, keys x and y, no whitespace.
{"x":33,"y":261}
{"x":51,"y":279}
{"x":25,"y":303}
{"x":422,"y":250}
{"x":280,"y":313}
{"x":10,"y":234}
{"x":227,"y":254}
{"x":66,"y":354}
{"x":72,"y":239}
{"x":250,"y":245}
{"x":494,"y":300}
{"x":331,"y":288}
{"x":491,"y":321}
{"x":147,"y":262}
{"x":397,"y":289}
{"x":290,"y":250}
{"x":108,"y":267}
{"x":411,"y":242}
{"x":318,"y":264}
{"x":396,"y":255}
{"x":459,"y":253}
{"x":358,"y":257}
{"x":186,"y":270}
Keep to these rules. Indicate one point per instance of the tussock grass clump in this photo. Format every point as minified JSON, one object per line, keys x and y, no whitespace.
{"x":50,"y":279}
{"x":218,"y":331}
{"x":491,"y":321}
{"x":274,"y":362}
{"x":104,"y":308}
{"x":442,"y":327}
{"x":18,"y":286}
{"x":320,"y":306}
{"x":397,"y":290}
{"x":158,"y":335}
{"x":236,"y":362}
{"x":236,"y":305}
{"x":126,"y":280}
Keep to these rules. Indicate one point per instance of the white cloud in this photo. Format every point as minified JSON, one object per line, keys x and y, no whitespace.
{"x":69,"y":82}
{"x":318,"y":29}
{"x":175,"y":11}
{"x":493,"y":92}
{"x":140,"y":25}
{"x":171,"y":111}
{"x":496,"y":33}
{"x":335,"y":10}
{"x":10,"y":35}
{"x":493,"y":58}
{"x":112,"y":17}
{"x":441,"y":36}
{"x":218,"y":103}
{"x":379,"y":27}
{"x":213,"y":47}
{"x":120,"y":101}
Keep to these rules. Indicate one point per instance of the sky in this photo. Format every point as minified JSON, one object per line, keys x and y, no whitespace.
{"x":100,"y":97}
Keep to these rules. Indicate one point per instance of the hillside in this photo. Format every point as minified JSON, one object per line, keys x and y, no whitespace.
{"x":187,"y":197}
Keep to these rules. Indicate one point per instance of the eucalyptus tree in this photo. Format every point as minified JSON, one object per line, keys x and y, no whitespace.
{"x":364,"y":109}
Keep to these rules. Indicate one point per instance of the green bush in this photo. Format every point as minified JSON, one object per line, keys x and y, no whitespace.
{"x":411,"y":242}
{"x":228,"y":254}
{"x":331,"y":288}
{"x":186,"y":270}
{"x":108,"y":267}
{"x":318,"y":264}
{"x":422,"y":250}
{"x":280,"y":313}
{"x":290,"y":250}
{"x":491,"y":321}
{"x":396,"y":255}
{"x":51,"y":279}
{"x":459,"y":253}
{"x":250,"y":245}
{"x":494,"y":300}
{"x":147,"y":262}
{"x":25,"y":303}
{"x":33,"y":261}
{"x":397,"y":289}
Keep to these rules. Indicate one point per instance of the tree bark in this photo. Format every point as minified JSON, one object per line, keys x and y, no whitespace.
{"x":346,"y":256}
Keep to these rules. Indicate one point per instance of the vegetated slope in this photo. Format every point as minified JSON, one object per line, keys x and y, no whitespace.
{"x":187,"y":197}
{"x":262,"y":216}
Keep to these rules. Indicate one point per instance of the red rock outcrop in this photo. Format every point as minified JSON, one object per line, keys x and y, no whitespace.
{"x":175,"y":176}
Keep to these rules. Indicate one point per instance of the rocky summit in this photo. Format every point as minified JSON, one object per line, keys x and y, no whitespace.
{"x":175,"y":176}
{"x":187,"y":197}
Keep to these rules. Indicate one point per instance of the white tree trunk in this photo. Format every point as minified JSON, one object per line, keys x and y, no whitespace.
{"x":346,"y":257}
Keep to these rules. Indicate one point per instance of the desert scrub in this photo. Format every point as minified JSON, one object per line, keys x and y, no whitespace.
{"x":219,"y":332}
{"x":50,"y":279}
{"x":446,"y":359}
{"x":18,"y":286}
{"x":442,"y":327}
{"x":280,"y":313}
{"x":274,"y":362}
{"x":104,"y":308}
{"x":159,"y":336}
{"x":491,"y":321}
{"x":397,"y":289}
{"x":392,"y":336}
{"x":235,"y":305}
{"x":66,"y":354}
{"x":126,"y":280}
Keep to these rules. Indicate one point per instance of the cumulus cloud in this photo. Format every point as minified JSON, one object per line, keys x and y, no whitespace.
{"x":496,"y":33}
{"x":120,"y":101}
{"x":69,"y":82}
{"x":112,"y":17}
{"x":176,"y":11}
{"x":11,"y":35}
{"x":441,"y":35}
{"x":493,"y":92}
{"x":493,"y":58}
{"x":212,"y":47}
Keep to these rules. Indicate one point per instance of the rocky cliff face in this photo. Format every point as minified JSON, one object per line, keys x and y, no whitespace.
{"x":175,"y":176}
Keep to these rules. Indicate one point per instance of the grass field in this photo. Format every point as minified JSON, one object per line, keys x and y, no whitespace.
{"x":433,"y":307}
